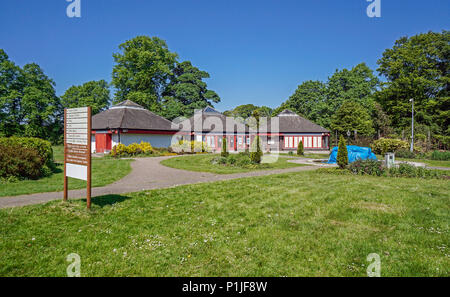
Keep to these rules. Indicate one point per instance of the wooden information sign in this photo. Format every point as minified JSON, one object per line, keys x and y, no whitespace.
{"x":77,"y":148}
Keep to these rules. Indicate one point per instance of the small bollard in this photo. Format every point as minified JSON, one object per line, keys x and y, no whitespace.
{"x":389,"y":160}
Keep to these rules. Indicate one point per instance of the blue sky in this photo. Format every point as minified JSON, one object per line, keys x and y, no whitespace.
{"x":255,"y":51}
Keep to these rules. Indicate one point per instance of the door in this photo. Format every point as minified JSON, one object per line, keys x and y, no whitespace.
{"x":102,"y":142}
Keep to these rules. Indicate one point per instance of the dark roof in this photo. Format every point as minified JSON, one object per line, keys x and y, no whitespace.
{"x":208,"y":119}
{"x":129,"y":115}
{"x":290,"y":122}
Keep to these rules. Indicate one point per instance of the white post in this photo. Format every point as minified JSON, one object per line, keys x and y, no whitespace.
{"x":412,"y":125}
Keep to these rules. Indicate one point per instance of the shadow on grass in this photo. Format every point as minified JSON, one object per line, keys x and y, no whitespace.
{"x":105,"y":200}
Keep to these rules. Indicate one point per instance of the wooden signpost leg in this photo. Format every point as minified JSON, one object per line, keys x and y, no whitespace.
{"x":65,"y":146}
{"x":88,"y":190}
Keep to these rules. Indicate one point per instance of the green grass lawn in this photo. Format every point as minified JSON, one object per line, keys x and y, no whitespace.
{"x":104,"y":172}
{"x":202,"y":163}
{"x":300,"y":224}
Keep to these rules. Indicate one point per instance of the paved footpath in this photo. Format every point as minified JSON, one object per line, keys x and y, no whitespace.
{"x":146,"y":174}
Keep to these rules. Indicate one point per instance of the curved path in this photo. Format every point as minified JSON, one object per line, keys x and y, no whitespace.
{"x":146,"y":174}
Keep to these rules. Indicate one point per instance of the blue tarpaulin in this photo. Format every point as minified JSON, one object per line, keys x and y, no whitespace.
{"x":354,"y":153}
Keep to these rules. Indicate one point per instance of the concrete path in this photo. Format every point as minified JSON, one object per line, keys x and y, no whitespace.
{"x":146,"y":174}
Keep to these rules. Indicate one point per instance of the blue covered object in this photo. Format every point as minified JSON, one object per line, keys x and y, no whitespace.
{"x":354,"y":153}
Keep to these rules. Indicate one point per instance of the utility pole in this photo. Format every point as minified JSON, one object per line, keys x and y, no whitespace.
{"x":412,"y":125}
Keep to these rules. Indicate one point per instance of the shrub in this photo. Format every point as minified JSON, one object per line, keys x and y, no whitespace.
{"x":186,"y":146}
{"x":369,"y":167}
{"x":342,"y":155}
{"x":404,"y":153}
{"x":21,"y":162}
{"x":133,"y":149}
{"x":42,"y":147}
{"x":385,"y":145}
{"x":146,"y":147}
{"x":224,"y":152}
{"x":119,"y":150}
{"x":256,"y":152}
{"x":300,"y":149}
{"x":441,"y":156}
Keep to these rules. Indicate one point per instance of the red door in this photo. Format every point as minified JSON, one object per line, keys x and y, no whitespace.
{"x":102,"y":142}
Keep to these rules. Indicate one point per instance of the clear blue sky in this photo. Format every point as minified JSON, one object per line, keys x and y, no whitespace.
{"x":256,"y":51}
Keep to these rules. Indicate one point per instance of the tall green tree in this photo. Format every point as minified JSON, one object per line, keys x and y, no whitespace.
{"x":318,"y":101}
{"x":41,"y":108}
{"x":186,"y":92}
{"x":418,"y":68}
{"x":308,"y":100}
{"x":93,"y":93}
{"x":28,"y":103}
{"x":142,"y":71}
{"x":11,"y":90}
{"x":352,"y":116}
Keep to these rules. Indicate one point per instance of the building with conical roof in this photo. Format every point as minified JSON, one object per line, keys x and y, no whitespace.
{"x":128,"y":122}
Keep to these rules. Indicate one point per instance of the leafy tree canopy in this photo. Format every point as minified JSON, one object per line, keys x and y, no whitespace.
{"x":417,"y":68}
{"x":28,"y":104}
{"x":186,"y":92}
{"x":352,"y":116}
{"x":94,"y":93}
{"x":245,"y":111}
{"x":142,"y":71}
{"x":318,"y":101}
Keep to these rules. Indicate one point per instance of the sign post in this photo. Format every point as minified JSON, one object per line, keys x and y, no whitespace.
{"x":77,"y":148}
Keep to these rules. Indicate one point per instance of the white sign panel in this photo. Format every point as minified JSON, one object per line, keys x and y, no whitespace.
{"x":76,"y":171}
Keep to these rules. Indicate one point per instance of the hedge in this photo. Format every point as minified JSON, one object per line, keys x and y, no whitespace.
{"x":42,"y":147}
{"x":21,"y":162}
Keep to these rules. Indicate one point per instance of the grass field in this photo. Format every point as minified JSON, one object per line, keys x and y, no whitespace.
{"x":202,"y":163}
{"x":104,"y":172}
{"x":301,"y":224}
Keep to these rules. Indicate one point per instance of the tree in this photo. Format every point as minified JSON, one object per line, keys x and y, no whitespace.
{"x":94,"y":93}
{"x":318,"y":101}
{"x":245,"y":111}
{"x":256,"y":152}
{"x":224,"y":152}
{"x":300,"y":149}
{"x":11,"y":90}
{"x":41,"y":108}
{"x":352,"y":116}
{"x":142,"y":71}
{"x":186,"y":92}
{"x":28,"y":104}
{"x":307,"y":99}
{"x":381,"y":121}
{"x":418,"y":68}
{"x":342,"y":155}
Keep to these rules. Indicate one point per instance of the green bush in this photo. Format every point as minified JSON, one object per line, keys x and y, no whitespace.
{"x":21,"y":162}
{"x":256,"y":152}
{"x":342,"y":155}
{"x":404,"y":153}
{"x":387,"y":145}
{"x":186,"y":146}
{"x":407,"y":170}
{"x":42,"y":147}
{"x":441,"y":156}
{"x":300,"y":149}
{"x":366,"y":167}
{"x":224,"y":152}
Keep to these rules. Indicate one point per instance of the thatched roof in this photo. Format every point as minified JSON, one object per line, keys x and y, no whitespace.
{"x":129,"y":115}
{"x":290,"y":122}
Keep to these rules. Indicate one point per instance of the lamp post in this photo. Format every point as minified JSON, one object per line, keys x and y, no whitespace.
{"x":412,"y":125}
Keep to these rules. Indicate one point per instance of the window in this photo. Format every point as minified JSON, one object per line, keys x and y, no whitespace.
{"x":240,"y":141}
{"x":319,"y":142}
{"x":286,"y":142}
{"x":291,"y":141}
{"x":314,"y":141}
